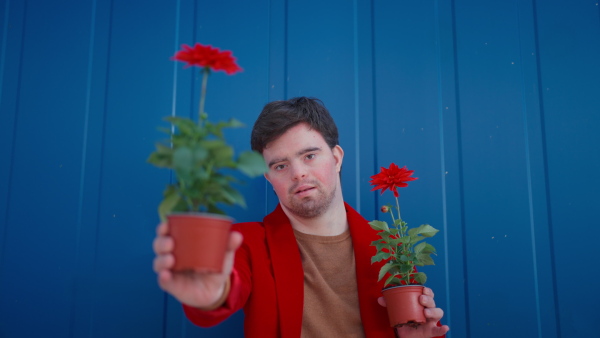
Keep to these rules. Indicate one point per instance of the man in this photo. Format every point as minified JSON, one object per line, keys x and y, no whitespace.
{"x":305,"y":270}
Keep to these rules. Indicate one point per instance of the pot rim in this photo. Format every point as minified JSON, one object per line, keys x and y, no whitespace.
{"x":400,"y":286}
{"x":201,"y":215}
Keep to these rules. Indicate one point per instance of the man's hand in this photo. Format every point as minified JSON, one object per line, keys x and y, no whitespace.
{"x":195,"y":289}
{"x":433,"y":315}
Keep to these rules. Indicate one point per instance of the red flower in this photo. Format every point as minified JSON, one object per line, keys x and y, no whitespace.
{"x":207,"y":56}
{"x":392,"y":178}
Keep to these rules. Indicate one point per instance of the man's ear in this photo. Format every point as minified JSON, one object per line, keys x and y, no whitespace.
{"x":338,"y":155}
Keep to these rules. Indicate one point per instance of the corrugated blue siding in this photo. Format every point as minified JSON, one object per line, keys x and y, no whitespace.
{"x":494,"y":104}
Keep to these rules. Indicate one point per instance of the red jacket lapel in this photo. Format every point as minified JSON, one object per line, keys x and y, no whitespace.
{"x":289,"y":275}
{"x":374,"y":316}
{"x":288,"y":272}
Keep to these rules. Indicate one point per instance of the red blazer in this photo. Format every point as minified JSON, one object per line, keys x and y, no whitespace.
{"x":268,"y":281}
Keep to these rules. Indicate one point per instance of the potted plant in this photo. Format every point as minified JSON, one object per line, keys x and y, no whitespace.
{"x":402,"y":249}
{"x":203,"y":164}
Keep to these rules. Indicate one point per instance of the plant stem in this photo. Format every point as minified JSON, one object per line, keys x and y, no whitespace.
{"x":187,"y":199}
{"x":402,"y":234}
{"x":205,"y":73}
{"x":398,"y":208}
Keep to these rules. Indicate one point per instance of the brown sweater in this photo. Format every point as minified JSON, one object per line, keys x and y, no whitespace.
{"x":331,"y":306}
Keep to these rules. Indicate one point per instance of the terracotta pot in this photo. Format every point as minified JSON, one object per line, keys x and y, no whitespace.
{"x":200,"y":240}
{"x":403,"y":305}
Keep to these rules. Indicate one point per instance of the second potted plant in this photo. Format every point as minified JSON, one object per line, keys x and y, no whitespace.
{"x":203,"y":164}
{"x":402,"y":249}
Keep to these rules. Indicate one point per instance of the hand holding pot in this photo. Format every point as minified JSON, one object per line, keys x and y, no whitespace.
{"x":197,"y":289}
{"x":433,"y":315}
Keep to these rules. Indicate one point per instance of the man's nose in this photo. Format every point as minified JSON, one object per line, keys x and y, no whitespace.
{"x":298,"y":172}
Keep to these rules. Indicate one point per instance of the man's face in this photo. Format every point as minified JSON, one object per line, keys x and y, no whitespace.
{"x":304,"y":171}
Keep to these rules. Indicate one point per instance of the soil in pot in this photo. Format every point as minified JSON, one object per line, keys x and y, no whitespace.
{"x":403,"y":305}
{"x":200,"y":241}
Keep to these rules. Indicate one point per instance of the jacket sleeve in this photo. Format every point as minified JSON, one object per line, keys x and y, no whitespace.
{"x":241,"y":286}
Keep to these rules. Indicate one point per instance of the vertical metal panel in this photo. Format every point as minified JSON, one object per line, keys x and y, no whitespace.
{"x":569,"y":50}
{"x":10,"y":66}
{"x":407,"y":124}
{"x":320,"y":64}
{"x":83,"y":288}
{"x":542,"y":268}
{"x":497,"y":218}
{"x":137,"y":96}
{"x":364,"y":113}
{"x":453,"y":229}
{"x":40,"y":219}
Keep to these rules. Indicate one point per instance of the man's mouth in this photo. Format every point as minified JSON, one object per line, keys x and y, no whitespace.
{"x":303,"y":189}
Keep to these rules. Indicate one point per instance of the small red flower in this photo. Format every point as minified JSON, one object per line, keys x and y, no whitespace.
{"x":207,"y":56}
{"x":392,"y":178}
{"x":384,"y":208}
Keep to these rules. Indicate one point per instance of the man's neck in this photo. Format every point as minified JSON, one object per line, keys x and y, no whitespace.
{"x":330,"y":223}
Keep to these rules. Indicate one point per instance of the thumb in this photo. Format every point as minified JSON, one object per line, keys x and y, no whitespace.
{"x":235,"y":240}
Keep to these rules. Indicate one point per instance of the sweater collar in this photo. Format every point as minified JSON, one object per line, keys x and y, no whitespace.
{"x":289,"y":275}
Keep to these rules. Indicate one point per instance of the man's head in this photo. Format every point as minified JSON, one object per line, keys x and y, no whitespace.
{"x":298,"y":140}
{"x":277,"y":117}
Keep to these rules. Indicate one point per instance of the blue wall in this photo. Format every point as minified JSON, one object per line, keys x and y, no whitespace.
{"x":494,"y":104}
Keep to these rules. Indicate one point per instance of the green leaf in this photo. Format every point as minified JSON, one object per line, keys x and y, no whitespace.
{"x":406,"y":268}
{"x":404,"y":240}
{"x":252,"y":163}
{"x":419,"y":247}
{"x":424,"y":259}
{"x":200,"y":154}
{"x":162,"y":157}
{"x":184,"y":125}
{"x":220,"y":153}
{"x":379,"y":244}
{"x":379,"y":225}
{"x":183,"y":159}
{"x":170,"y":200}
{"x":426,"y":230}
{"x":413,"y":232}
{"x":380,"y":256}
{"x":392,"y":280}
{"x":384,"y":269}
{"x":416,"y":239}
{"x":234,"y":123}
{"x":420,"y":278}
{"x":234,"y":196}
{"x":424,"y":248}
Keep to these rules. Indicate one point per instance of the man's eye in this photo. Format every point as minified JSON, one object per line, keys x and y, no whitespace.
{"x":279,"y":167}
{"x":310,"y":156}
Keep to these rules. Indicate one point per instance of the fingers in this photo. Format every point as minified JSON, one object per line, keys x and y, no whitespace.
{"x":381,"y":301}
{"x":163,"y":245}
{"x":431,"y":312}
{"x":426,"y":298}
{"x":163,"y":262}
{"x":235,"y":240}
{"x":427,"y":291}
{"x":440,"y":330}
{"x":434,"y":314}
{"x":163,"y":248}
{"x":162,"y":229}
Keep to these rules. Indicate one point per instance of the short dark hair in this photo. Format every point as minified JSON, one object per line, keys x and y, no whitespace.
{"x":277,"y":117}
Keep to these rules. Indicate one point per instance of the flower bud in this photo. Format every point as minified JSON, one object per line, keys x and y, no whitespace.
{"x":385,"y":209}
